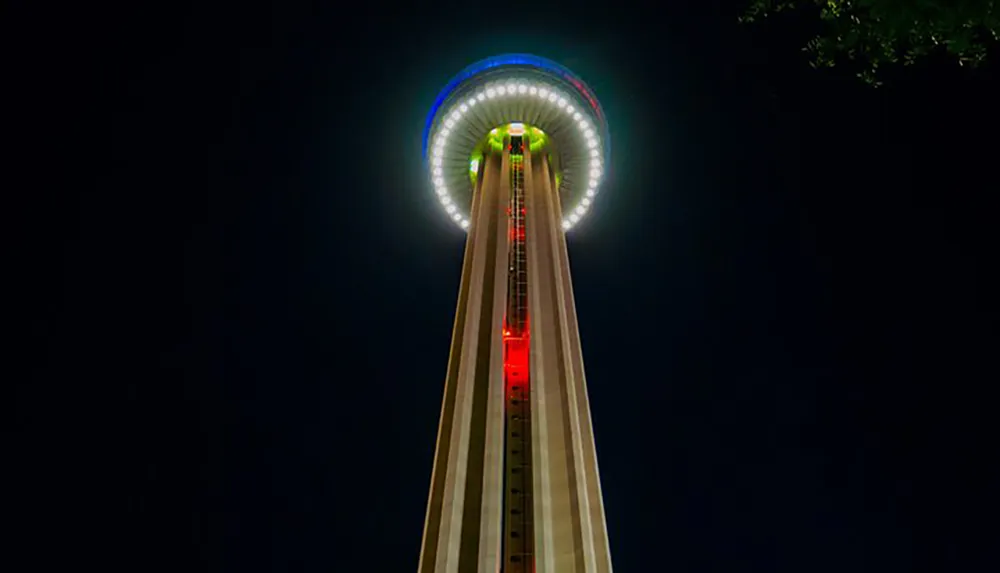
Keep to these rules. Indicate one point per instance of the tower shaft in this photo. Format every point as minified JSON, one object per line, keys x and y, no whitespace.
{"x":515,"y":486}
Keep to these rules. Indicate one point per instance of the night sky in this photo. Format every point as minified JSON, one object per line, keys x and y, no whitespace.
{"x":238,"y":289}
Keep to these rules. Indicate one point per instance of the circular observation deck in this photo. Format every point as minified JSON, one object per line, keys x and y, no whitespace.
{"x":511,"y":93}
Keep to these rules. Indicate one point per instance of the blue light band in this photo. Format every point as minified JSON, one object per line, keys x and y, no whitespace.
{"x":516,"y":60}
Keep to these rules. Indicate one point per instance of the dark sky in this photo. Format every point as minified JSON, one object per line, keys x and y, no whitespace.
{"x":239,"y":292}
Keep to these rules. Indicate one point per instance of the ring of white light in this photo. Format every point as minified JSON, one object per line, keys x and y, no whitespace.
{"x":458,"y":128}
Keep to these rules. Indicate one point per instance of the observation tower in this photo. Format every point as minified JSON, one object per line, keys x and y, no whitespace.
{"x":516,"y":147}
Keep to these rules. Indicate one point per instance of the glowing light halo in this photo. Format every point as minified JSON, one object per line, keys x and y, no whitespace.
{"x":528,"y":91}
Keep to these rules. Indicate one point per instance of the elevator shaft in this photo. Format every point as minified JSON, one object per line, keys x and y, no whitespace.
{"x":518,"y":505}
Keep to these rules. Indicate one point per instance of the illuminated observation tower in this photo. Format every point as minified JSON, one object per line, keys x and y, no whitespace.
{"x":516,"y":147}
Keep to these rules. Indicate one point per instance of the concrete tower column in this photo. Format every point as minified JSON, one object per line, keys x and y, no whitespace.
{"x":470,"y":491}
{"x":570,"y":529}
{"x":462,"y":530}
